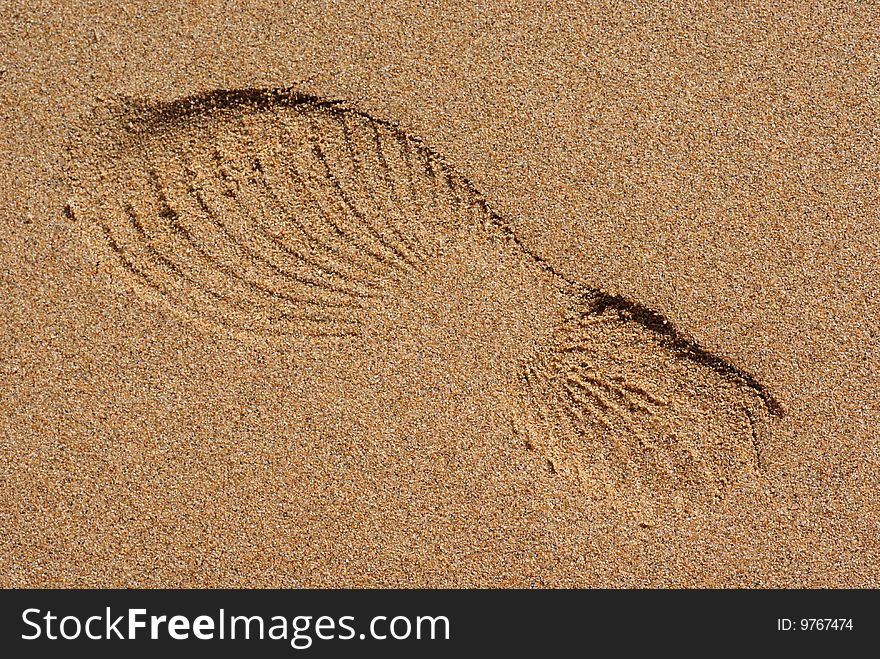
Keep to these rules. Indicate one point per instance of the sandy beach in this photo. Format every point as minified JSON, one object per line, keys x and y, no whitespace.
{"x":394,"y":295}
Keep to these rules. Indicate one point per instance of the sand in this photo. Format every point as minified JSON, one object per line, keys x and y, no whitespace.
{"x":353,"y":295}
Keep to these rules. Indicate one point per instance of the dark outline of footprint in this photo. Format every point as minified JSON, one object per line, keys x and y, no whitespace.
{"x":382,"y":249}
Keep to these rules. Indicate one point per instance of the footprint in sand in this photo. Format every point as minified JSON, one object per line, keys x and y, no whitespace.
{"x":272,"y":213}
